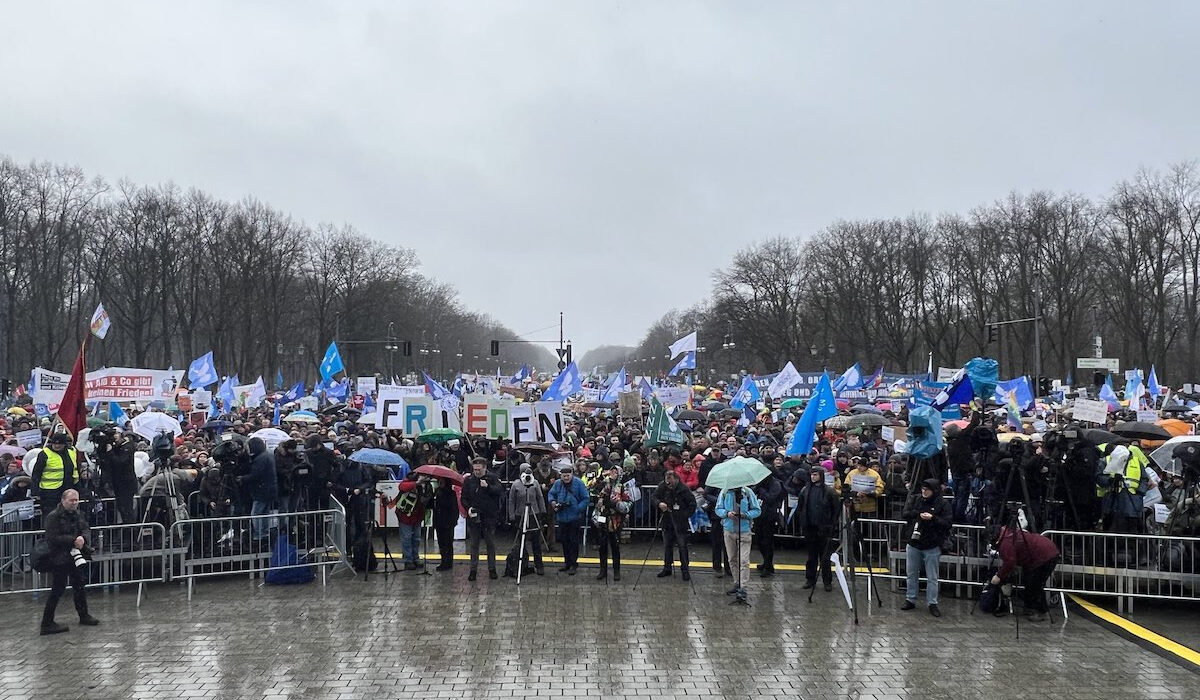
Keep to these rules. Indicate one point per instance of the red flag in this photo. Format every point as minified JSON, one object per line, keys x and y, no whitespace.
{"x":72,"y":410}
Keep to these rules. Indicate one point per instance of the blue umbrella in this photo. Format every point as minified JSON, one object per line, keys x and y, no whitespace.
{"x":864,"y":408}
{"x":383,"y":458}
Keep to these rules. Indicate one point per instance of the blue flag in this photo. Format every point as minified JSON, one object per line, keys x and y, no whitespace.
{"x":459,"y":387}
{"x":521,"y":375}
{"x":225,"y":392}
{"x":960,"y":391}
{"x":747,"y":395}
{"x":437,"y":391}
{"x":851,"y":379}
{"x":1110,"y":397}
{"x":275,"y":419}
{"x":821,"y":406}
{"x":644,"y":387}
{"x":688,"y":361}
{"x":1021,"y":391}
{"x":202,"y":372}
{"x":337,"y":391}
{"x":1152,"y":386}
{"x":293,"y":394}
{"x":332,"y":363}
{"x":611,"y":393}
{"x":368,"y":403}
{"x":278,"y":379}
{"x":566,"y":384}
{"x":117,"y":414}
{"x":213,"y":411}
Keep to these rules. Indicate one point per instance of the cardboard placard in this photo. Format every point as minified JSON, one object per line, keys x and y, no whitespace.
{"x":1090,"y":411}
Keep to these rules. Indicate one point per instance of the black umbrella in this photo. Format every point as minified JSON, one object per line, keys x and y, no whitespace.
{"x":599,"y":404}
{"x":1175,"y":408}
{"x":716,"y":406}
{"x":1100,"y":437}
{"x":867,"y":419}
{"x":330,"y":410}
{"x":217,"y":424}
{"x":536,"y":448}
{"x":1141,"y":430}
{"x":690,"y":415}
{"x":730,"y":413}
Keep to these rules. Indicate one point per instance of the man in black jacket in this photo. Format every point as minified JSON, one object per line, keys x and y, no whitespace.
{"x":817,"y":510}
{"x":263,"y":484}
{"x":928,"y":517}
{"x":323,"y":471}
{"x":115,"y":457}
{"x":481,"y":493}
{"x":675,"y":504}
{"x":770,"y":494}
{"x":67,"y":534}
{"x":445,"y":518}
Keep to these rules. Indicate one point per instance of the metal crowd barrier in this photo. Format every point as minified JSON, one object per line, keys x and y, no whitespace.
{"x":1127,"y":566}
{"x":123,"y":554}
{"x":244,"y":544}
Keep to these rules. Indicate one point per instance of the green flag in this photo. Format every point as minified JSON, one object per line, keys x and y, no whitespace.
{"x":661,"y":428}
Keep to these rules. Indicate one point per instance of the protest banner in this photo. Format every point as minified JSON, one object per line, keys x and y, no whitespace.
{"x":1090,"y":411}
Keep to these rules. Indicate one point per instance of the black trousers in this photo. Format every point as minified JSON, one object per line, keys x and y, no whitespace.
{"x":1035,"y":586}
{"x":609,"y":540}
{"x":716,"y":534}
{"x":486,"y":532}
{"x":766,"y":526}
{"x":58,"y":586}
{"x":569,"y":534}
{"x":673,"y":538}
{"x":818,"y":558}
{"x":445,"y":538}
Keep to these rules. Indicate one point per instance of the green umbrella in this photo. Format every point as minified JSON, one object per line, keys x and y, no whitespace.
{"x":439,"y":436}
{"x":736,"y":473}
{"x":95,"y":422}
{"x":792,"y":403}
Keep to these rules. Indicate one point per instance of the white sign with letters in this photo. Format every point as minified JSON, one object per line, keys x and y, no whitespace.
{"x":1090,"y":411}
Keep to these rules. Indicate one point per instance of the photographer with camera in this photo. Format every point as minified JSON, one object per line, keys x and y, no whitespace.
{"x":55,"y":471}
{"x":928,"y":523}
{"x":1036,"y":556}
{"x":415,"y":496}
{"x":481,"y":494}
{"x":354,"y":487}
{"x":323,"y":471}
{"x":675,"y":504}
{"x":612,"y":505}
{"x":263,"y":485}
{"x":114,"y":454}
{"x":1121,"y":483}
{"x":524,"y":493}
{"x":569,"y":500}
{"x":817,"y":511}
{"x":68,"y":538}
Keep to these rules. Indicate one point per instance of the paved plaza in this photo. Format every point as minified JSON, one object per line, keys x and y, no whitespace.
{"x":441,"y":636}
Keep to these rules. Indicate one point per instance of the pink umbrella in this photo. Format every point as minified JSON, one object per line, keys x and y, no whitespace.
{"x":13,"y":450}
{"x":842,"y":404}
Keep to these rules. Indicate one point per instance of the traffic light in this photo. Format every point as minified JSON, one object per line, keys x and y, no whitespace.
{"x":1044,"y":386}
{"x":495,"y":348}
{"x":406,"y":348}
{"x":5,"y":386}
{"x":568,"y":353}
{"x":993,"y":333}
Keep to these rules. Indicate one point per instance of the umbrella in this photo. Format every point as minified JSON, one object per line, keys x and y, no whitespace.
{"x":537,"y":447}
{"x":1097,"y":436}
{"x":868,"y":419}
{"x":690,"y":415}
{"x":217,"y":424}
{"x":96,"y":422}
{"x":13,"y":450}
{"x":960,"y":424}
{"x":864,"y":408}
{"x":366,"y":419}
{"x":599,"y":404}
{"x":1174,"y":408}
{"x":1140,"y":430}
{"x":18,"y":411}
{"x":1163,"y":457}
{"x":439,"y":436}
{"x":1176,"y":427}
{"x":838,"y":422}
{"x":792,"y":403}
{"x":715,"y":406}
{"x":271,"y":436}
{"x":301,"y":417}
{"x":1009,"y":437}
{"x":330,"y":410}
{"x":374,"y":455}
{"x":736,"y":473}
{"x":437,"y":471}
{"x":148,"y":425}
{"x":730,"y":413}
{"x":699,"y":387}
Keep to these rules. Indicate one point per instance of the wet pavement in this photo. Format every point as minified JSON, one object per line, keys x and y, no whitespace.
{"x":440,"y":636}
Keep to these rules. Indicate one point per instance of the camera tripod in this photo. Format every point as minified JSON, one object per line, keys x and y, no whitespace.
{"x":526,"y":516}
{"x":389,"y":564}
{"x":660,"y":536}
{"x":1015,"y":530}
{"x":850,"y":543}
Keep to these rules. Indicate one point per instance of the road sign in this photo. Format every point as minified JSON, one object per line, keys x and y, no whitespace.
{"x":1112,"y":364}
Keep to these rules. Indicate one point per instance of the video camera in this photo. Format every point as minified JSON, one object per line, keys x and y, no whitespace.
{"x":1186,"y":457}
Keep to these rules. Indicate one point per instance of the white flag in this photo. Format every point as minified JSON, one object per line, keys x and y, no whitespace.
{"x":100,"y":322}
{"x":787,"y":378}
{"x":685,"y":344}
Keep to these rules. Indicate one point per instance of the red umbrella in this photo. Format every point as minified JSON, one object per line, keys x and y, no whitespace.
{"x":439,"y":472}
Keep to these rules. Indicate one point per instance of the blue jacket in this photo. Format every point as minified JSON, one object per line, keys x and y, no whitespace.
{"x":575,"y":497}
{"x":751,"y":509}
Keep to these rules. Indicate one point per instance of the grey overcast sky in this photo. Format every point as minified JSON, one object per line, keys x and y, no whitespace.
{"x":601,"y":158}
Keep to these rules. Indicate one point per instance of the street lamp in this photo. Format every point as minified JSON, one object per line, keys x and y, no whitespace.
{"x":391,"y":347}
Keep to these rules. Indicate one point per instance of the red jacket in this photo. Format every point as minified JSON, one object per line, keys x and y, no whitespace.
{"x":1027,"y":550}
{"x":689,"y":475}
{"x":418,"y":514}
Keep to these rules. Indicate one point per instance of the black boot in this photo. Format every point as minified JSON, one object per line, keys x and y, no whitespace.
{"x":602,"y":575}
{"x":54,"y":628}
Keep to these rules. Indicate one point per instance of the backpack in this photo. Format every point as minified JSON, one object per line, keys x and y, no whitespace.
{"x":284,"y":554}
{"x":992,"y":600}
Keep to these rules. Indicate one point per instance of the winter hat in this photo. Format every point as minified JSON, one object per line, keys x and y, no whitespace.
{"x":827,"y":465}
{"x":932,"y":484}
